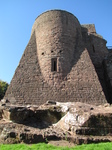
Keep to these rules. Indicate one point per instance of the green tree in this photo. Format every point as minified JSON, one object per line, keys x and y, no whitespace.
{"x":3,"y":88}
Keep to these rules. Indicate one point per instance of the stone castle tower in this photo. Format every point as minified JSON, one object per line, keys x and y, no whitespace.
{"x":62,"y":62}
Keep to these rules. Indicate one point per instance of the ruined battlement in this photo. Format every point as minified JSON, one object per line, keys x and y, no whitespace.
{"x":89,"y":28}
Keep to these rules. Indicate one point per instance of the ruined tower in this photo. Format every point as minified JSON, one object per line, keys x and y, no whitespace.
{"x":62,"y":62}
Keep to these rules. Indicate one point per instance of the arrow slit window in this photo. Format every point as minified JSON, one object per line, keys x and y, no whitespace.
{"x":54,"y":64}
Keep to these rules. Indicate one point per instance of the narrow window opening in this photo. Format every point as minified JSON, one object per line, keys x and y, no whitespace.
{"x":54,"y":64}
{"x":93,"y":48}
{"x":54,"y":67}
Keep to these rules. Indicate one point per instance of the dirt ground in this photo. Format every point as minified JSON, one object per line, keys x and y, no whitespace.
{"x":62,"y":143}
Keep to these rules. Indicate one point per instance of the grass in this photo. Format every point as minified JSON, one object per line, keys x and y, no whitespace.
{"x":43,"y":146}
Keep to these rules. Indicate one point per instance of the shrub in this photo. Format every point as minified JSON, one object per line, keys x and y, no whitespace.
{"x":3,"y":88}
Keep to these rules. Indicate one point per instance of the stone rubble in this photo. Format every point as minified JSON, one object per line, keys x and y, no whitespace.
{"x":75,"y":122}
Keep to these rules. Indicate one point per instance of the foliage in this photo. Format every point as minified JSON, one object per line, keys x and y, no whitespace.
{"x":3,"y":88}
{"x":43,"y":146}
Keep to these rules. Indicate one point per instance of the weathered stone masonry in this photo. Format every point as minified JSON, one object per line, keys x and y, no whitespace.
{"x":62,"y":62}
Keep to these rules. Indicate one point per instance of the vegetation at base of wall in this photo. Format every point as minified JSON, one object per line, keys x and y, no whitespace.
{"x":43,"y":146}
{"x":3,"y":87}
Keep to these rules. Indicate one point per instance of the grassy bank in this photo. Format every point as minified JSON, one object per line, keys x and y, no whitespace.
{"x":43,"y":146}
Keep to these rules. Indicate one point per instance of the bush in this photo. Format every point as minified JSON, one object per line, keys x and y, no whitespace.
{"x":3,"y":88}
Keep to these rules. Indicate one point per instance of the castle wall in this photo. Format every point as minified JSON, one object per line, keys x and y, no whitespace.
{"x":97,"y":49}
{"x":56,"y":35}
{"x":107,"y":64}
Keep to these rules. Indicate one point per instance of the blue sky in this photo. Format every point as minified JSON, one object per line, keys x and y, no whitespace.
{"x":17,"y":18}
